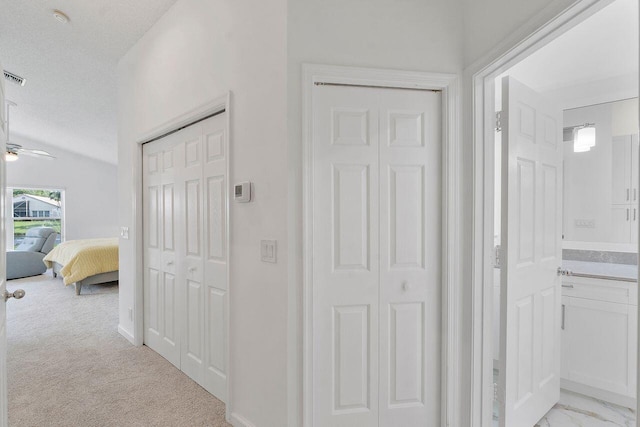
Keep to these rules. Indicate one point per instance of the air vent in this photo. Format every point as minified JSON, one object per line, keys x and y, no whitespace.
{"x":14,"y":79}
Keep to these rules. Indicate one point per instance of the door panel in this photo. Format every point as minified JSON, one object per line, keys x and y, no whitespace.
{"x":215,"y":264}
{"x":410,"y":261}
{"x":376,"y":257}
{"x":190,"y":217}
{"x":3,"y":233}
{"x":160,"y":296}
{"x":531,"y":238}
{"x":345,"y":260}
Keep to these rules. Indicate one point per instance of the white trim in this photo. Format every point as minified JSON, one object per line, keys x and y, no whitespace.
{"x":126,"y":334}
{"x":237,"y":420}
{"x":538,"y":31}
{"x":448,"y":84}
{"x":215,"y":105}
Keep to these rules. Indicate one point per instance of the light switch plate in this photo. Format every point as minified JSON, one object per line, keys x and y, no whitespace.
{"x":124,"y":232}
{"x":268,"y":251}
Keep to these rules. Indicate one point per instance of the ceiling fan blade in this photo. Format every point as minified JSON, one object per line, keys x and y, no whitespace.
{"x":35,"y":153}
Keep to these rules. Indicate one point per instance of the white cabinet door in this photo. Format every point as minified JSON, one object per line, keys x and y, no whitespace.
{"x":621,"y":222}
{"x":599,"y":344}
{"x":621,"y":170}
{"x":376,"y":257}
{"x":531,"y":241}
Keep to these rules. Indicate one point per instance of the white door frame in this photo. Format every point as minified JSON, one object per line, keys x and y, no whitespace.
{"x":451,"y":266}
{"x":537,"y":33}
{"x":215,"y":105}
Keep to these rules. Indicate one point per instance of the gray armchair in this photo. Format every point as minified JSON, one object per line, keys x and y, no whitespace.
{"x":26,"y":260}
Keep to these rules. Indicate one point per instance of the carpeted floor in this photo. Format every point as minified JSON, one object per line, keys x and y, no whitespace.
{"x":69,"y":366}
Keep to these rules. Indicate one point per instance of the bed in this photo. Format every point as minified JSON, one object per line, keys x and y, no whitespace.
{"x":85,"y":262}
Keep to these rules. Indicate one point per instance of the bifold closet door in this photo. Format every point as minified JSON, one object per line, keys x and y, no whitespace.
{"x":185,"y":216}
{"x":162,"y":296}
{"x":376,"y":257}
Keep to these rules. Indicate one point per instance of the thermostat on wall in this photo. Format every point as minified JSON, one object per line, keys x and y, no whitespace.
{"x":242,"y":192}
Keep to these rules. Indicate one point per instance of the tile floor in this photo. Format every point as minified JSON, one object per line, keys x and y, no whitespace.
{"x":578,"y":410}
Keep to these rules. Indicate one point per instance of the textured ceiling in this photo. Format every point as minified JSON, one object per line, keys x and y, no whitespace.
{"x":69,"y":100}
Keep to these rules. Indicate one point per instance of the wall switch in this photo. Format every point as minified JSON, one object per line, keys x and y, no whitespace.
{"x":124,"y":232}
{"x":268,"y":251}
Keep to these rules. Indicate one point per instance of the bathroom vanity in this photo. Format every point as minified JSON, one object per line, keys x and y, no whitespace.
{"x":599,"y":321}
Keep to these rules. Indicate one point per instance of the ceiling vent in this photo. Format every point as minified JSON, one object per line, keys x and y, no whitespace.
{"x":20,"y":81}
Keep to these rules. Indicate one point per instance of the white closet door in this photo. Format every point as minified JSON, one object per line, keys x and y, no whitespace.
{"x":162,"y":296}
{"x":216,"y":278}
{"x":190,"y":268}
{"x":410,"y":259}
{"x":185,"y":257}
{"x":345,"y":257}
{"x":376,"y":257}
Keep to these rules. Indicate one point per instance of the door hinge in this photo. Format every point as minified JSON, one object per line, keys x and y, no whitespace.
{"x":499,"y":121}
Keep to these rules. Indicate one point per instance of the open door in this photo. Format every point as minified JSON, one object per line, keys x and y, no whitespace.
{"x":532,"y":252}
{"x":3,"y":269}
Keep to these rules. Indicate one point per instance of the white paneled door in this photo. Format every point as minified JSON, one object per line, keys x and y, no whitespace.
{"x":185,"y":256}
{"x":531,"y":241}
{"x":376,"y":256}
{"x":3,"y":267}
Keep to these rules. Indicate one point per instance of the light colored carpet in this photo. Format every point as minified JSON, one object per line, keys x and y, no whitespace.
{"x":69,"y":366}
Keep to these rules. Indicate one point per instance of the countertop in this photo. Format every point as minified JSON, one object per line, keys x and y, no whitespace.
{"x":602,"y":270}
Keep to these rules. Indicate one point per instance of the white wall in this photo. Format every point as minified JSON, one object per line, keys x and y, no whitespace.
{"x":91,"y":199}
{"x":196,"y":52}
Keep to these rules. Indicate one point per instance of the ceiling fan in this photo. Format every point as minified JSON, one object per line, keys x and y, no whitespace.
{"x":14,"y":149}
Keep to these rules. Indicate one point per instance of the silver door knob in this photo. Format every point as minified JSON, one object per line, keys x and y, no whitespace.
{"x":406,"y":286}
{"x":169,"y":262}
{"x":17,"y":294}
{"x":192,"y":269}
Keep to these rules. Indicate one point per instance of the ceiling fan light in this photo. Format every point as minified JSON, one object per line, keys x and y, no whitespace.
{"x":10,"y":156}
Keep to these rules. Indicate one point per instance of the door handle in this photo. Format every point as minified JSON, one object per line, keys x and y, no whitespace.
{"x":562,"y":272}
{"x":570,"y":286}
{"x":17,"y":294}
{"x":169,"y":262}
{"x":563,"y":313}
{"x":192,"y":269}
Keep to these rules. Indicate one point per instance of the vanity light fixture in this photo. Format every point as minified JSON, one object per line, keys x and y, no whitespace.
{"x":584,"y":137}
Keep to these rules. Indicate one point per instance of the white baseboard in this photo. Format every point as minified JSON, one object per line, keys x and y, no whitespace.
{"x":126,"y":334}
{"x":240,"y":421}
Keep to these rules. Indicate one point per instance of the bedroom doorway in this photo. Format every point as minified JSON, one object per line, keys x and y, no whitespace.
{"x":33,"y":207}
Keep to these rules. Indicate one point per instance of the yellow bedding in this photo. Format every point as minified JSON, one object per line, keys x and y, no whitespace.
{"x":83,"y":258}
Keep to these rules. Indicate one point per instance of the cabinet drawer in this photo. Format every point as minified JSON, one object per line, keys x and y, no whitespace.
{"x":600,"y":289}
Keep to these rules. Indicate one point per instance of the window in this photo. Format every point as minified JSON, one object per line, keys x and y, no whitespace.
{"x":33,"y":207}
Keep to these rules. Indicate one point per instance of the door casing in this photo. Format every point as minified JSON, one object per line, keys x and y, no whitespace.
{"x":481,"y":76}
{"x":451,"y":218}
